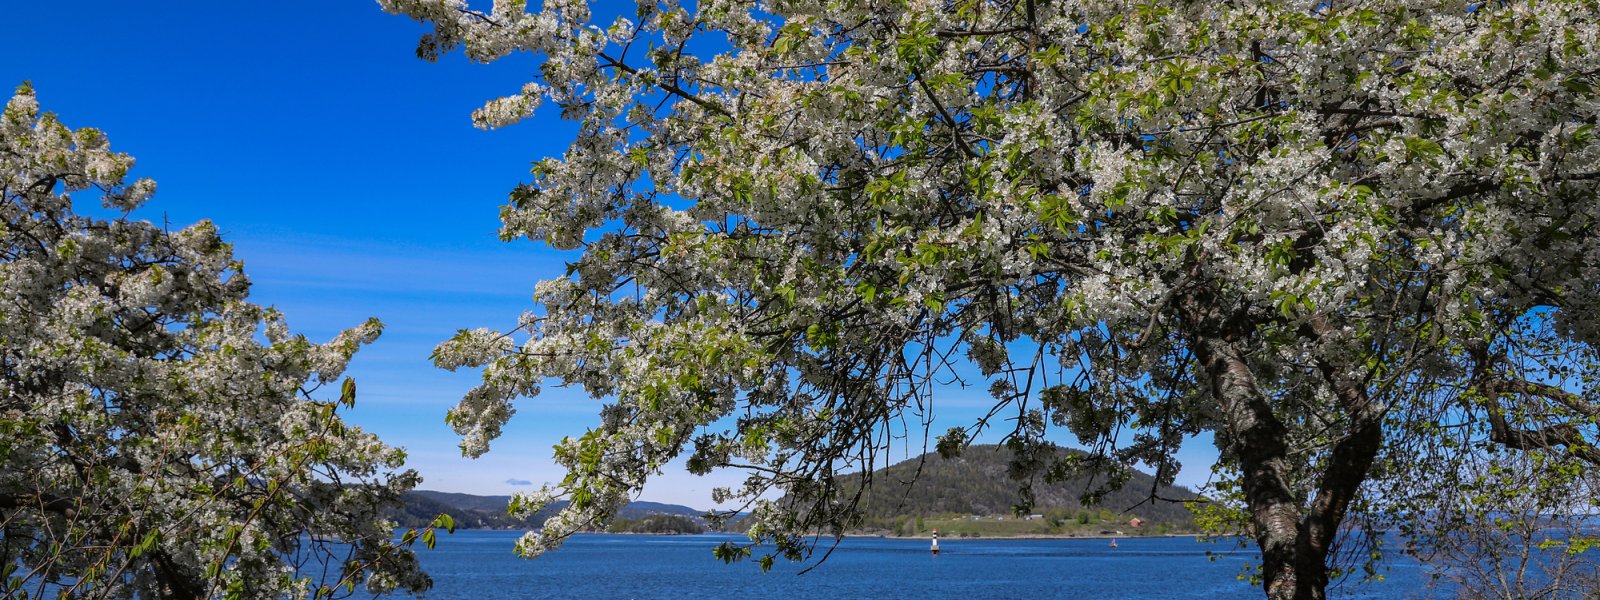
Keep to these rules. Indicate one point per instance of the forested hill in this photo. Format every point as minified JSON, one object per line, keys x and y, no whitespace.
{"x":976,"y":483}
{"x":489,"y":512}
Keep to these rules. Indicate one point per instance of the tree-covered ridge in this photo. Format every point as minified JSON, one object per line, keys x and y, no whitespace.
{"x":978,"y":483}
{"x":674,"y":524}
{"x":471,"y":511}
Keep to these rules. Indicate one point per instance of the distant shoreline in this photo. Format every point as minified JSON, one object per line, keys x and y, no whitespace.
{"x":1030,"y":536}
{"x":1035,"y":536}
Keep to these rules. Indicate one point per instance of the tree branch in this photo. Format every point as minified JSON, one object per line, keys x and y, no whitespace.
{"x":669,"y":87}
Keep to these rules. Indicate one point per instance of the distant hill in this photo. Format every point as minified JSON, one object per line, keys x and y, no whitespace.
{"x":467,"y":501}
{"x":976,"y":484}
{"x":967,"y":495}
{"x":472,"y":511}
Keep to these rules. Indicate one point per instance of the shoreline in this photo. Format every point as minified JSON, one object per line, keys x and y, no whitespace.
{"x":1031,"y":536}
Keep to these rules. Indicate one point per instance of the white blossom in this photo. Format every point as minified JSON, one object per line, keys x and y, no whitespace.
{"x":156,"y":427}
{"x":1273,"y":222}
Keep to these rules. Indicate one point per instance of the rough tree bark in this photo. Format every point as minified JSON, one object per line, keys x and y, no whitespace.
{"x":1295,"y":539}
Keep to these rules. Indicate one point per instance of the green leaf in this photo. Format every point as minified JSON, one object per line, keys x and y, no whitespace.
{"x":347,"y":393}
{"x":729,"y":553}
{"x":1281,"y":253}
{"x":867,"y":291}
{"x":1424,"y":149}
{"x":147,"y":544}
{"x":445,"y":521}
{"x":1583,"y":133}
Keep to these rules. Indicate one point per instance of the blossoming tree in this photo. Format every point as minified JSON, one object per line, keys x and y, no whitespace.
{"x":157,"y":436}
{"x":1337,"y":235}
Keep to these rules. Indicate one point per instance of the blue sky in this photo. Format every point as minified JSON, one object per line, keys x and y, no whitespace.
{"x":347,"y":175}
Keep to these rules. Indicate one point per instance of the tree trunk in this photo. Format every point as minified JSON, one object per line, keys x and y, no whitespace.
{"x":1294,"y":538}
{"x":1256,"y":440}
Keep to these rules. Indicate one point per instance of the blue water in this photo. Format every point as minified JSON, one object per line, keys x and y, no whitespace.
{"x":480,"y":564}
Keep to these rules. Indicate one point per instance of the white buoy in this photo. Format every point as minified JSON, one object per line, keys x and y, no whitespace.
{"x":935,"y":541}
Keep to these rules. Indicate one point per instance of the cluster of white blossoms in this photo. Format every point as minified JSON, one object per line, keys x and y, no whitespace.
{"x":1268,"y":220}
{"x":157,"y":431}
{"x":510,"y":109}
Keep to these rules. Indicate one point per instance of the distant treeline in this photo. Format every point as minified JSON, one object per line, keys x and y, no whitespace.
{"x":657,"y":524}
{"x":489,"y":512}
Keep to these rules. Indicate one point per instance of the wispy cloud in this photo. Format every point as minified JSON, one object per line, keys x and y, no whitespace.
{"x":515,"y":481}
{"x":312,"y":264}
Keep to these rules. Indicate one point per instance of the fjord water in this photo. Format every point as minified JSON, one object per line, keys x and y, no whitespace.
{"x":480,"y":564}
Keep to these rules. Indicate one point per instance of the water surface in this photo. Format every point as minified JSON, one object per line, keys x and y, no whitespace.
{"x":480,"y":564}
